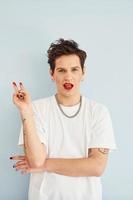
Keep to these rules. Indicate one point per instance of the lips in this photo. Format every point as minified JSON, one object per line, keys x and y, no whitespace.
{"x":68,"y":86}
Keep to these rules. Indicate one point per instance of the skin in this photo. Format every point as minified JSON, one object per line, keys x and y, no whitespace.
{"x":67,"y":70}
{"x":34,"y":150}
{"x":69,"y":167}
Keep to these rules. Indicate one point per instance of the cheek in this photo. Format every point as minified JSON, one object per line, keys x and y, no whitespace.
{"x":58,"y":81}
{"x":79,"y":78}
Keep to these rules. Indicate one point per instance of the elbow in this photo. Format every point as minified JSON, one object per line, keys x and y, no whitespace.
{"x":99,"y":171}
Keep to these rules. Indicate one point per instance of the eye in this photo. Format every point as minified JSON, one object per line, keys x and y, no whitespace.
{"x":75,"y":69}
{"x":61,"y":70}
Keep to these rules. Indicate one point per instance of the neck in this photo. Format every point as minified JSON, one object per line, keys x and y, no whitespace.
{"x":68,"y":100}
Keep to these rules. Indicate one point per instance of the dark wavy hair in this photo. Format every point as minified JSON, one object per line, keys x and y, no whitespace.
{"x":64,"y":47}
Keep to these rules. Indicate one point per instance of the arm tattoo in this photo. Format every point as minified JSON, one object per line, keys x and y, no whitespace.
{"x":24,"y":133}
{"x":23,"y":120}
{"x":103,"y":150}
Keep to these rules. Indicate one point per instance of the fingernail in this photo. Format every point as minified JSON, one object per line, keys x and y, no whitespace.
{"x":20,"y":83}
{"x":13,"y":166}
{"x":14,"y":83}
{"x":10,"y":157}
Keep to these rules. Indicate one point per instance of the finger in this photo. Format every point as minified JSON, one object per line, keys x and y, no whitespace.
{"x":21,"y":95}
{"x":21,"y":167}
{"x":20,"y":163}
{"x":15,"y":87}
{"x":18,"y":157}
{"x":22,"y":86}
{"x":22,"y":91}
{"x":17,"y":98}
{"x":19,"y":92}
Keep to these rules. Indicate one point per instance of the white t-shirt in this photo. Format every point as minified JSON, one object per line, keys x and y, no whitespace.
{"x":69,"y":138}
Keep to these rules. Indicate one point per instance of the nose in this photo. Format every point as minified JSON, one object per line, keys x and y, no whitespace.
{"x":68,"y":76}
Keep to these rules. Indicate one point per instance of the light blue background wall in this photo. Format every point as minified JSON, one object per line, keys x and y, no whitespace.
{"x":105,"y":30}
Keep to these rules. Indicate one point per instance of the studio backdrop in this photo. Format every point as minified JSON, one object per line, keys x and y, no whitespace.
{"x":104,"y":29}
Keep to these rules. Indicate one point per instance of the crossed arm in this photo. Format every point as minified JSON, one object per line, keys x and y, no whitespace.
{"x":94,"y":165}
{"x":35,"y":156}
{"x":35,"y":152}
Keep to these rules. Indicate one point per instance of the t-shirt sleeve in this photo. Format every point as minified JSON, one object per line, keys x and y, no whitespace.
{"x":102,"y":134}
{"x":41,"y":127}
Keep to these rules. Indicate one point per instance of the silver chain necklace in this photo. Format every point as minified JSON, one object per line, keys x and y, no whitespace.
{"x":64,"y":112}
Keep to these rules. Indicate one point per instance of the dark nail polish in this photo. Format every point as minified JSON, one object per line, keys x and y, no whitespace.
{"x":14,"y":83}
{"x":20,"y":83}
{"x":10,"y":157}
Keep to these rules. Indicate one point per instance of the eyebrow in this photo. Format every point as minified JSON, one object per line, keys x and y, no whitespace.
{"x":66,"y":68}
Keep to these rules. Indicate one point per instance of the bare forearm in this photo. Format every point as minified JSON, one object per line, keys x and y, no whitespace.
{"x":34,"y":150}
{"x":74,"y":167}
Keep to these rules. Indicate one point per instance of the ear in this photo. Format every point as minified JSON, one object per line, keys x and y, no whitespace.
{"x":83,"y":75}
{"x":84,"y":70}
{"x":51,"y":74}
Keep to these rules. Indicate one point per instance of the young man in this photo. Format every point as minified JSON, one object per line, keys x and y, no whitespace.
{"x":66,"y":136}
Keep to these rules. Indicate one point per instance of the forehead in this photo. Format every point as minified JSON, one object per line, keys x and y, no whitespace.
{"x":67,"y":61}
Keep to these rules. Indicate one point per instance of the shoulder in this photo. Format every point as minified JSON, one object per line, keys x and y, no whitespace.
{"x":95,"y":107}
{"x":41,"y":104}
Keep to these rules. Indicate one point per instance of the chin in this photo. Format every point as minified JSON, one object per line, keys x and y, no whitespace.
{"x":66,"y":94}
